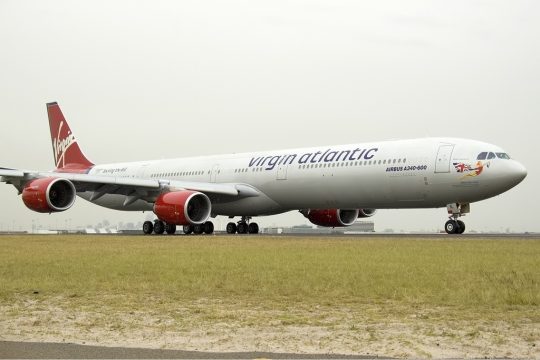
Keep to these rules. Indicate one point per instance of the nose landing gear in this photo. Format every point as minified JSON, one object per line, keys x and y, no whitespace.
{"x":455,"y":226}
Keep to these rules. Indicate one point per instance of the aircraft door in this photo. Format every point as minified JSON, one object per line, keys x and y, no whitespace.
{"x":141,"y":172}
{"x":444,"y":155}
{"x":282,"y":172}
{"x":214,"y":173}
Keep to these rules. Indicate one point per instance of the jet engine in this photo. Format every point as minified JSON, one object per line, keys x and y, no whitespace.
{"x":365,"y":213}
{"x":331,"y":217}
{"x":47,"y":195}
{"x":183,"y":207}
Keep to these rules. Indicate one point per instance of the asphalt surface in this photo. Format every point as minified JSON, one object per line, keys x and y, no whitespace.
{"x":32,"y":350}
{"x":471,"y":236}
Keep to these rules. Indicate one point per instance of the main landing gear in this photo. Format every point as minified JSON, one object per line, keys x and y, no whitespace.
{"x":158,"y":227}
{"x":455,"y":226}
{"x":206,"y":228}
{"x":243,"y":227}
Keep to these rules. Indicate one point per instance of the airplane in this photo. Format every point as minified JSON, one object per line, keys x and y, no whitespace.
{"x":332,"y":186}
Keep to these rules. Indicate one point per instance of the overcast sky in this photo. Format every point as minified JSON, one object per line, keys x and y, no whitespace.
{"x":157,"y":79}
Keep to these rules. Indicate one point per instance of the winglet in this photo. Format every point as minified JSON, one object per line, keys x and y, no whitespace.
{"x":68,"y":156}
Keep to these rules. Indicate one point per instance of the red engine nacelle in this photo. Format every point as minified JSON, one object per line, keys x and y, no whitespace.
{"x":49,"y":195}
{"x":365,"y":213}
{"x":332,"y":217}
{"x":183,"y":207}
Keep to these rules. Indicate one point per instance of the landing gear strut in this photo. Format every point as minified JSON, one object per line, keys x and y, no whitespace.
{"x":243,"y":227}
{"x":455,"y":226}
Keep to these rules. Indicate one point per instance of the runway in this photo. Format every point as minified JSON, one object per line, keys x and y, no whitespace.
{"x":33,"y":350}
{"x":431,"y":236}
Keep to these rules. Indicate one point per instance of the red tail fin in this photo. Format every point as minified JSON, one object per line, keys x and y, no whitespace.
{"x":68,"y":157}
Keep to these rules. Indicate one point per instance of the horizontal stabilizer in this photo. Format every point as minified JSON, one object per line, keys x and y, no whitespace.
{"x":11,"y":173}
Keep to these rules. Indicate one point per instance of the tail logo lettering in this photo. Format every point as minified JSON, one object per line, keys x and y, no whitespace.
{"x":61,"y":146}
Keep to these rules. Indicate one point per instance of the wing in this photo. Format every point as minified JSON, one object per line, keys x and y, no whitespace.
{"x":133,"y":188}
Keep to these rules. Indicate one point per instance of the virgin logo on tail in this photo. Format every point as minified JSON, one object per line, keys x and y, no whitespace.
{"x":68,"y":157}
{"x":60,"y":146}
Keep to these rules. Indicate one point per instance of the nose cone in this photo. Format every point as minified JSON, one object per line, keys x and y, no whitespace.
{"x":513,"y":174}
{"x":519,"y":173}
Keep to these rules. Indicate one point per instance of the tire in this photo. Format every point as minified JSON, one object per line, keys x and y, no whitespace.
{"x":187,"y":229}
{"x":198,"y":229}
{"x":461,"y":226}
{"x":147,"y":227}
{"x":231,"y":228}
{"x":451,"y":227}
{"x":208,"y":227}
{"x":159,"y":227}
{"x":242,"y":228}
{"x":170,"y":229}
{"x":253,"y":228}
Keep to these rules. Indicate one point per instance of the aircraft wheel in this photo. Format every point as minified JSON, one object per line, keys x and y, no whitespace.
{"x":187,"y":229}
{"x":147,"y":227}
{"x":159,"y":227}
{"x":170,"y":228}
{"x":242,"y":228}
{"x":208,"y":227}
{"x":231,"y":228}
{"x":198,"y":229}
{"x":253,"y":228}
{"x":461,"y":227}
{"x":451,"y":227}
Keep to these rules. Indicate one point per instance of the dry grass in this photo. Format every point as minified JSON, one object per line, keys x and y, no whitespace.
{"x":376,"y":292}
{"x":332,"y":271}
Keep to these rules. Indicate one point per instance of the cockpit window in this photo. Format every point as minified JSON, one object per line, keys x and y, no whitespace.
{"x":485,"y":155}
{"x":482,"y":156}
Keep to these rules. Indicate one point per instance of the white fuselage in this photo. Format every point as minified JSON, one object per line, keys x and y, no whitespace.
{"x":418,"y":173}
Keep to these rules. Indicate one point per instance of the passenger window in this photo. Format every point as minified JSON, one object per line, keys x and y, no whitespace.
{"x":491,"y":156}
{"x":481,"y":156}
